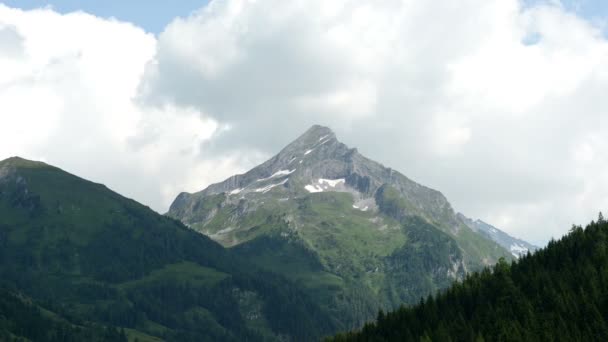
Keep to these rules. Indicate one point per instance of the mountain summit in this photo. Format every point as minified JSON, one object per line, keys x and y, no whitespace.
{"x":360,"y":236}
{"x":318,"y":162}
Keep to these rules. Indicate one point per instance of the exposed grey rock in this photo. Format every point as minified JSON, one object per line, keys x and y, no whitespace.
{"x":317,"y":154}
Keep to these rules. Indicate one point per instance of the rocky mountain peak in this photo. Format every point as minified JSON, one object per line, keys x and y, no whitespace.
{"x":315,"y":134}
{"x":317,"y":162}
{"x":355,"y":218}
{"x":316,"y":139}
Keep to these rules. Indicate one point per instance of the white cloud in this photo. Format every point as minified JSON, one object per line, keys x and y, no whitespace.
{"x":67,"y":90}
{"x":492,"y":102}
{"x":498,"y":105}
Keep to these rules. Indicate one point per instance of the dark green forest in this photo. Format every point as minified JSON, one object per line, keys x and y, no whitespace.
{"x":79,"y":262}
{"x":559,"y":293}
{"x":21,"y":320}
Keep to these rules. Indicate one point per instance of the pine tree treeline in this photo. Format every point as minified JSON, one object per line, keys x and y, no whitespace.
{"x":558,"y":294}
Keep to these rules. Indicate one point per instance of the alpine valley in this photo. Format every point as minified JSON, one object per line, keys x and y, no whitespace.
{"x":355,"y":235}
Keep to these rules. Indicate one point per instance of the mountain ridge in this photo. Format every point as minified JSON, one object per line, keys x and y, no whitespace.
{"x":516,"y":246}
{"x":96,"y":259}
{"x":380,"y":238}
{"x":340,"y":163}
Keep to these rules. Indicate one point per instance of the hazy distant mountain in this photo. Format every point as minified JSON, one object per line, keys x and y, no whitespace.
{"x":517,"y":247}
{"x":357,"y":234}
{"x":101,"y":267}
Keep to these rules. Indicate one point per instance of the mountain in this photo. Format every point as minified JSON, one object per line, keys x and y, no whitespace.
{"x":558,"y":293}
{"x":516,"y":246}
{"x":358,"y":235}
{"x":79,"y":259}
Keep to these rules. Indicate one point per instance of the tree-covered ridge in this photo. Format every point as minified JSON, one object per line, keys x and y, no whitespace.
{"x":560,"y":293}
{"x":93,"y":258}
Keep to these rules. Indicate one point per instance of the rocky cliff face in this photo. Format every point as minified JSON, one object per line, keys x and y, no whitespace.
{"x":378,"y":238}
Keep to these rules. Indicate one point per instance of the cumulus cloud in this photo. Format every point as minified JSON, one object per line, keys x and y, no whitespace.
{"x":68,"y":85}
{"x":496,"y":103}
{"x":500,"y":104}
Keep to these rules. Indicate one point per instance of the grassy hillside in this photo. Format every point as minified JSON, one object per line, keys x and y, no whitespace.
{"x":558,"y":294}
{"x":96,"y":258}
{"x":358,"y":236}
{"x":353,"y":262}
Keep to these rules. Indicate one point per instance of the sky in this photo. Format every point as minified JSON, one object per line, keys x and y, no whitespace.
{"x":499,"y":104}
{"x":152,"y":16}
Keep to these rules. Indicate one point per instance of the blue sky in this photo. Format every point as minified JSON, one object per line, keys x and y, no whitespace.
{"x":152,"y":15}
{"x":591,"y":9}
{"x":156,"y":14}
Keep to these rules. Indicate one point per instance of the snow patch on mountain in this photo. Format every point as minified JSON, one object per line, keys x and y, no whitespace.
{"x":324,"y":184}
{"x":277,"y":174}
{"x":235,"y":191}
{"x":332,"y":182}
{"x":313,"y":188}
{"x":517,"y":247}
{"x":269,"y":187}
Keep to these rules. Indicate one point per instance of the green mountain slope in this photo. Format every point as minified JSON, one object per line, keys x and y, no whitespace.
{"x":357,"y":235}
{"x":558,"y":294}
{"x":95,"y":258}
{"x":22,"y":320}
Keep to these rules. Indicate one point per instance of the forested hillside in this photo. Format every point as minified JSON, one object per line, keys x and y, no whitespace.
{"x":558,"y":294}
{"x":94,"y":263}
{"x":22,"y":320}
